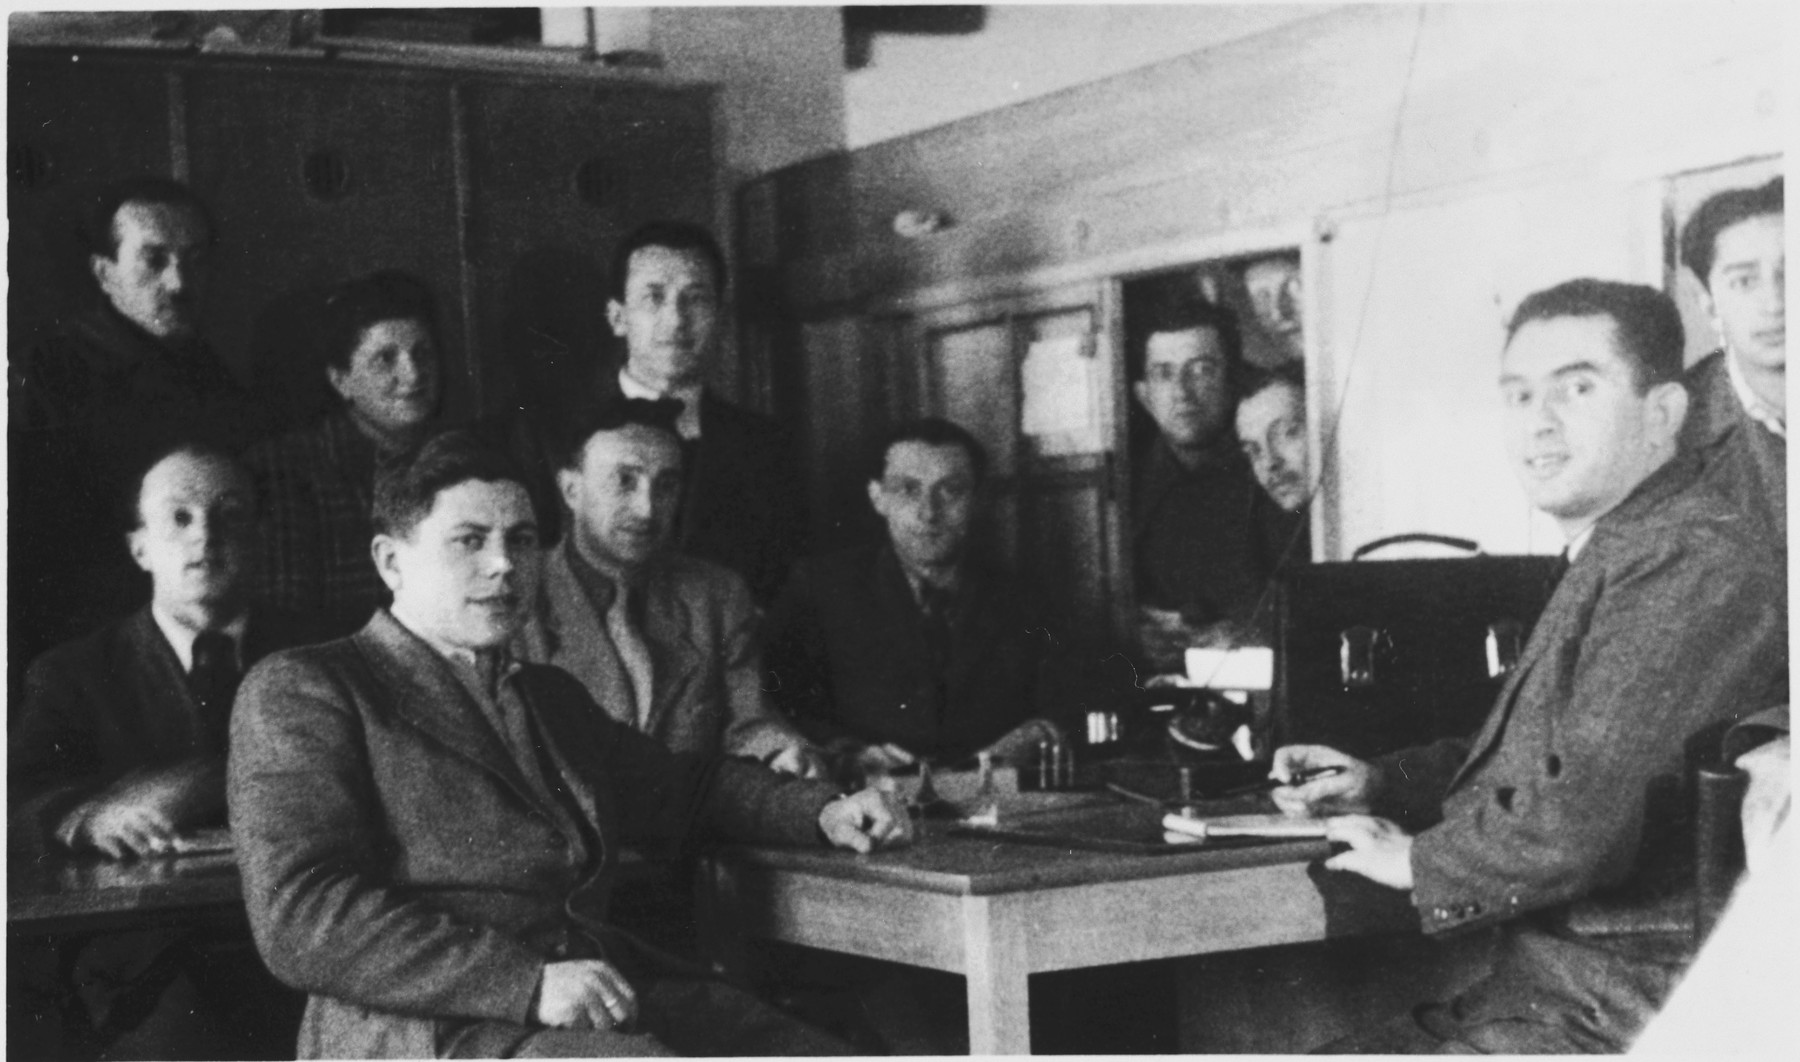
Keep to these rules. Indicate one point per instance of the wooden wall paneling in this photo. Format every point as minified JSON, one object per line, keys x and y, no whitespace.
{"x":74,"y":122}
{"x":381,"y":195}
{"x":560,"y":174}
{"x":1062,"y":528}
{"x":844,"y":414}
{"x":974,"y":382}
{"x":1300,"y":121}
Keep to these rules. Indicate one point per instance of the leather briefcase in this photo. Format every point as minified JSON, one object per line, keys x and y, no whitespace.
{"x":1373,"y":656}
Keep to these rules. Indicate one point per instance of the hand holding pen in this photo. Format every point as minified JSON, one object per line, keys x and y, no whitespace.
{"x":1316,"y":781}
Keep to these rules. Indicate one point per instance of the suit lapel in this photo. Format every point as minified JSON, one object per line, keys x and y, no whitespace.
{"x":973,"y":626}
{"x":669,"y":634}
{"x":895,"y":608}
{"x":574,"y":638}
{"x":428,"y":696}
{"x":158,"y":674}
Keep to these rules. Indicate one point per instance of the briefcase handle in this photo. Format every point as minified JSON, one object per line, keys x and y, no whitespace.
{"x":1417,"y":536}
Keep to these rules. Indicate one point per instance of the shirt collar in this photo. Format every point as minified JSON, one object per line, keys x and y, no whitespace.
{"x":688,"y":424}
{"x":917,"y":584}
{"x":1758,"y":410}
{"x":601,"y":588}
{"x":1579,"y":541}
{"x":181,"y":637}
{"x":491,"y":668}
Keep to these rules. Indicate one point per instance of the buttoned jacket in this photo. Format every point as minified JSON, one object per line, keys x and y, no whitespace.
{"x":400,"y":866}
{"x":1672,"y":621}
{"x":700,"y":626}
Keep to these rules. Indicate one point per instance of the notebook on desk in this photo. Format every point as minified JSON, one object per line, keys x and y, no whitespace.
{"x":1126,"y":828}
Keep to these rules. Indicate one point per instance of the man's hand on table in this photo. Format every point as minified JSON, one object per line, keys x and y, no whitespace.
{"x":1350,"y":790}
{"x":801,"y":761}
{"x":1379,"y":850}
{"x":141,"y":814}
{"x":584,"y":994}
{"x":864,"y":821}
{"x":881,"y":759}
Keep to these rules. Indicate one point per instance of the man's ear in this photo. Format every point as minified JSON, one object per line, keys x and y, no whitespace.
{"x":568,"y":484}
{"x":615,"y":316}
{"x":102,"y":267}
{"x":385,"y":550}
{"x":134,"y":542}
{"x":1668,"y":402}
{"x":875,"y":496}
{"x":1141,"y":391}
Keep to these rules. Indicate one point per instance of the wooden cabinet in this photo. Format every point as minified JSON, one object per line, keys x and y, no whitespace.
{"x":316,"y":179}
{"x":70,"y":124}
{"x":506,"y":190}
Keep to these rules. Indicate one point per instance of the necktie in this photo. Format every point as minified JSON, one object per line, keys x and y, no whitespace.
{"x":934,"y":606}
{"x":213,"y":679}
{"x":628,"y":642}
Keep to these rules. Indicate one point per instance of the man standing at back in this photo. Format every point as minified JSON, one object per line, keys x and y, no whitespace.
{"x":1670,"y":623}
{"x":113,"y":387}
{"x":1194,"y":532}
{"x":1734,"y":244}
{"x":741,"y":504}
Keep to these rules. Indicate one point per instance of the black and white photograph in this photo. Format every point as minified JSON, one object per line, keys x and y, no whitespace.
{"x":742,"y":531}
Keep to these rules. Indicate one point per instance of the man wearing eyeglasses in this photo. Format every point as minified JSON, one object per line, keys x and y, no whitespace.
{"x":910,"y":648}
{"x":1195,"y":525}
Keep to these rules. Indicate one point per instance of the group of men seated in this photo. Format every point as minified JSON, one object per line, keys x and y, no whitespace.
{"x":591,"y":628}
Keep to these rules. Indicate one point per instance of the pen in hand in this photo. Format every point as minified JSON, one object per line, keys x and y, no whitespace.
{"x":1298,"y":778}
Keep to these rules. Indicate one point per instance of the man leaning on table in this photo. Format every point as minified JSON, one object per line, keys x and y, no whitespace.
{"x":120,"y":749}
{"x":1669,"y":622}
{"x":664,"y":640}
{"x":428,"y":829}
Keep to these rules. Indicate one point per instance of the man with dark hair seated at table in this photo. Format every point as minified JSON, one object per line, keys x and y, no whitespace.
{"x":428,"y":829}
{"x":912,"y":647}
{"x":1564,"y":814}
{"x":664,"y":641}
{"x":120,"y":749}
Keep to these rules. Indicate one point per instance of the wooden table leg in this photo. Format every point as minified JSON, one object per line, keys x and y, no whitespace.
{"x":997,"y":965}
{"x":720,"y":920}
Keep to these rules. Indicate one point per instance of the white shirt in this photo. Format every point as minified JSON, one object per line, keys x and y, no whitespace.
{"x":181,"y":639}
{"x":688,"y":424}
{"x":1579,"y":541}
{"x":1753,"y":403}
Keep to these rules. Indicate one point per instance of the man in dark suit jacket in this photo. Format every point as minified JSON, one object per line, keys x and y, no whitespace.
{"x":1670,"y":623}
{"x":1197,"y":533}
{"x":910,"y":648}
{"x":92,"y":403}
{"x":663,"y":641}
{"x":1734,"y":245}
{"x":120,"y":749}
{"x":743,"y":506}
{"x":428,"y":830}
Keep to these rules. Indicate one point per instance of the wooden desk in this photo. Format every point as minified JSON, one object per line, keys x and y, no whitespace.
{"x":997,"y":912}
{"x":63,"y":893}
